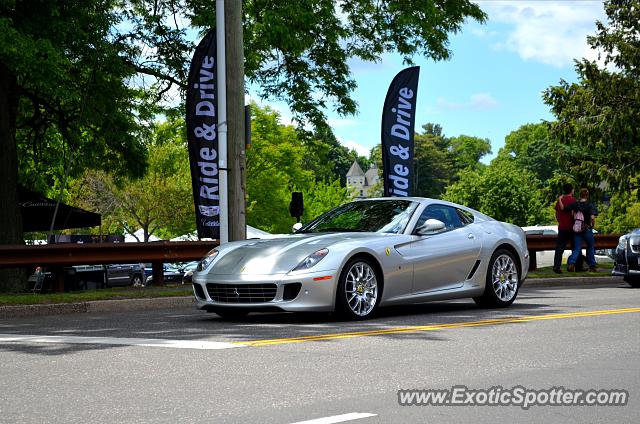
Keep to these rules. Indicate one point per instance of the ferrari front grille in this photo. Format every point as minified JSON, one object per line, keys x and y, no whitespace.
{"x":242,"y":293}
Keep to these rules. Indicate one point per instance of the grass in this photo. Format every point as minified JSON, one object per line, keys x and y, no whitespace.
{"x":88,"y":295}
{"x":604,"y":269}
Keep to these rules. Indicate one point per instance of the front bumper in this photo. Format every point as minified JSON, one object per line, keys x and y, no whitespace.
{"x":627,"y":263}
{"x":227,"y":291}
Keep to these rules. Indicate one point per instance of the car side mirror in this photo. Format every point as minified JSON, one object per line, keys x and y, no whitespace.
{"x":431,"y":226}
{"x":296,"y":227}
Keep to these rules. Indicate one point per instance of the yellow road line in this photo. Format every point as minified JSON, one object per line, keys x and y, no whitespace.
{"x":434,"y":327}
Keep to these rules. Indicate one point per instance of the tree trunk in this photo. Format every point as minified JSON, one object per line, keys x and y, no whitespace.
{"x":10,"y":219}
{"x":236,"y":159}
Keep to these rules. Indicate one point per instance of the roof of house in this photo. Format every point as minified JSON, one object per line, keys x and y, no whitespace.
{"x":355,"y":170}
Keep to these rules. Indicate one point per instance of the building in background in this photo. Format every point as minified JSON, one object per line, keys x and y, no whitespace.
{"x":361,"y":183}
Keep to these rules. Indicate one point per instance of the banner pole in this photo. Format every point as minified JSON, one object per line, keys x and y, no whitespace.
{"x":222,"y":121}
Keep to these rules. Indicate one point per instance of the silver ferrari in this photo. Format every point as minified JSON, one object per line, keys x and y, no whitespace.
{"x":368,"y":254}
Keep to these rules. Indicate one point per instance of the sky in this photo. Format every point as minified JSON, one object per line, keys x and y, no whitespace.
{"x":493,"y":82}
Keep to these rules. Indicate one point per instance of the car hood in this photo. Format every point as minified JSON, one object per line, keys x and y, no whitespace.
{"x":281,"y":255}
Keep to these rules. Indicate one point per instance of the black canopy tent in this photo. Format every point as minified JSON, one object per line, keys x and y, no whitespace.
{"x":37,"y":213}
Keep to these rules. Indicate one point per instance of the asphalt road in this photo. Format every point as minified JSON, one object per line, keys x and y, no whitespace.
{"x":183,"y":365}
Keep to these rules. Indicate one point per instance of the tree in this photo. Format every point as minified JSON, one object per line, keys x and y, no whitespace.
{"x":65,"y":73}
{"x":466,"y":151}
{"x":531,"y":148}
{"x":434,"y":166}
{"x":503,"y":190}
{"x":322,"y":196}
{"x":159,"y":203}
{"x":597,"y":118}
{"x":440,"y":159}
{"x":80,"y":80}
{"x":622,"y":214}
{"x":325,"y":156}
{"x":274,"y":170}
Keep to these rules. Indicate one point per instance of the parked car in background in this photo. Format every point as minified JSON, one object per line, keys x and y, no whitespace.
{"x":188,"y":270}
{"x":545,"y":258}
{"x":366,"y":254}
{"x":171,"y":275}
{"x":88,"y":277}
{"x":627,"y":258}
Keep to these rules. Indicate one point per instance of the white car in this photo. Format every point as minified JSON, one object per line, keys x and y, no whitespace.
{"x":545,"y":258}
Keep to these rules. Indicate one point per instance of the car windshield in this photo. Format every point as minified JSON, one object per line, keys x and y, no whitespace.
{"x":381,"y":216}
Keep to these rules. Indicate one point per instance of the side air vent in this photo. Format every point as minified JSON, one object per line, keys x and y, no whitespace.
{"x":474,"y":269}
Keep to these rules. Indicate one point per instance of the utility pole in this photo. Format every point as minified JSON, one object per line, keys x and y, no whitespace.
{"x":236,"y":159}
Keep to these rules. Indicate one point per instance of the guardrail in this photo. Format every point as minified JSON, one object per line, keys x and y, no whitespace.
{"x":539,"y":243}
{"x":56,"y":256}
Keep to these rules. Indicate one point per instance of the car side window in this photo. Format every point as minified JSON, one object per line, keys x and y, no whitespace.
{"x":444,"y":213}
{"x":466,"y":217}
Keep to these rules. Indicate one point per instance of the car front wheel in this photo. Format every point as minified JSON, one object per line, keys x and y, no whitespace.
{"x":502,"y":282}
{"x":358,"y":290}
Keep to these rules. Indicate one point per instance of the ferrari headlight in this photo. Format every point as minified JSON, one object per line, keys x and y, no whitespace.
{"x":311,"y":260}
{"x":206,"y":261}
{"x":622,"y":243}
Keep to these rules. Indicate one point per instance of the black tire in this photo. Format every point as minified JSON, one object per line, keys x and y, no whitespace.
{"x":633,"y":281}
{"x":136,"y":281}
{"x":499,"y":291}
{"x":359,"y":290}
{"x":229,"y":313}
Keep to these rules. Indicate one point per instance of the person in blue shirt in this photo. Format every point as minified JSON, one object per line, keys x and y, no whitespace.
{"x":582,"y":229}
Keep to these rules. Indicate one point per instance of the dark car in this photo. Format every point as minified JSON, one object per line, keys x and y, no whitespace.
{"x":627,"y":258}
{"x":88,"y":277}
{"x":171,"y":275}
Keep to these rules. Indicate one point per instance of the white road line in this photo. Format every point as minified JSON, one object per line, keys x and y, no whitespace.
{"x":338,"y":418}
{"x":166,"y":343}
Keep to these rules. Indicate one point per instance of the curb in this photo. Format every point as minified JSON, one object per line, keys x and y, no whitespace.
{"x":95,"y":306}
{"x":572,"y":282}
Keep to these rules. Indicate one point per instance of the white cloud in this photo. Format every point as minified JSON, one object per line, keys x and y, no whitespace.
{"x":551,"y":32}
{"x":478,"y":101}
{"x":359,"y":148}
{"x":482,"y":101}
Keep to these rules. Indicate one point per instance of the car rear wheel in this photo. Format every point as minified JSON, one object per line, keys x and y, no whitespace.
{"x":503,"y":281}
{"x":358,"y":290}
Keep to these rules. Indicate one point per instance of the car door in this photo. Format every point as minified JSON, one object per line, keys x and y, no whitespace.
{"x":444,"y":260}
{"x":118,"y":274}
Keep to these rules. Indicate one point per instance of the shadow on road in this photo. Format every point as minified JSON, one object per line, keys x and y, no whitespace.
{"x":191,"y":324}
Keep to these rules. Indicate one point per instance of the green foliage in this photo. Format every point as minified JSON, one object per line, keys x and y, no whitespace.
{"x":597,"y":118}
{"x":321,"y":197}
{"x":434,"y":165}
{"x":531,"y":147}
{"x":274,"y":169}
{"x":160,"y":202}
{"x":325,"y":156}
{"x":466,"y":151}
{"x":277,"y":165}
{"x":440,"y":160}
{"x":622,"y":214}
{"x":297,"y":49}
{"x":502,"y":190}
